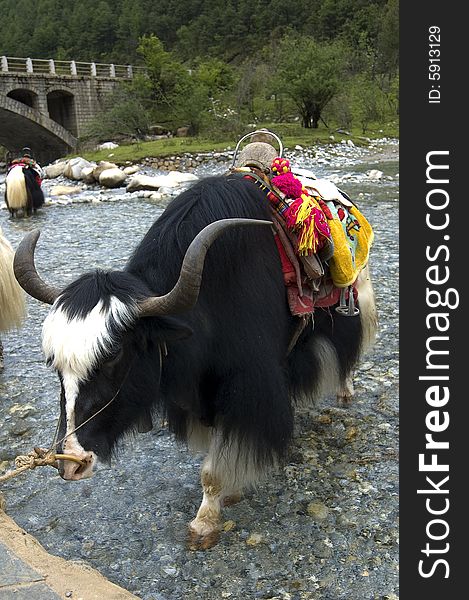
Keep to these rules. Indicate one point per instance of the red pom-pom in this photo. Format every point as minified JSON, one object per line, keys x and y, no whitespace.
{"x":280,"y":166}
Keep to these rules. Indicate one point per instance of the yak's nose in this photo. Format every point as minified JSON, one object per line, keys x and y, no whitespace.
{"x":73,"y":471}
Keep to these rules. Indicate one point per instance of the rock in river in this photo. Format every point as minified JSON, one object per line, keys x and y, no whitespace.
{"x":112,"y":177}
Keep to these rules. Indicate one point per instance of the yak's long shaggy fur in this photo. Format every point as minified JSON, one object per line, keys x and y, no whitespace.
{"x":35,"y":193}
{"x":15,"y":191}
{"x":231,"y":373}
{"x":12,"y":302}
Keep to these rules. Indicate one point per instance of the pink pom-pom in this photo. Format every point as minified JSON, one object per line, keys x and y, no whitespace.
{"x":288,"y":184}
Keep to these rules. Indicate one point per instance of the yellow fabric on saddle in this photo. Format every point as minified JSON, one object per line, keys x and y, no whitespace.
{"x":352,"y":236}
{"x":351,"y":233}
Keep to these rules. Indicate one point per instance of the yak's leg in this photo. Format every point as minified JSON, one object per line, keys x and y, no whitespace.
{"x":369,"y":326}
{"x":1,"y":355}
{"x":346,"y":391}
{"x":253,"y":434}
{"x":199,"y":439}
{"x":368,"y":312}
{"x":204,"y":529}
{"x":225,"y":472}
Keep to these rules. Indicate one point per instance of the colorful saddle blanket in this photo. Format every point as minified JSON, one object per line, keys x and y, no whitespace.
{"x":352,"y":236}
{"x":322,"y":221}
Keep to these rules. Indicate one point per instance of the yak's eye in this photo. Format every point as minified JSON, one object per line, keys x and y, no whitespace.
{"x":112,"y":360}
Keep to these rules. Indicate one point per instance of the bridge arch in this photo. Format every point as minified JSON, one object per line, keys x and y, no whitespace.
{"x":25,"y":96}
{"x":61,"y":106}
{"x":25,"y":126}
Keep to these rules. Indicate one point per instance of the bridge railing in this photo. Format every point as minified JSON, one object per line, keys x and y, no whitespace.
{"x":40,"y":66}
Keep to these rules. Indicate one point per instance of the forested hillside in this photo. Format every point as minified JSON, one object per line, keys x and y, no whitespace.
{"x":238,"y":61}
{"x":229,"y":29}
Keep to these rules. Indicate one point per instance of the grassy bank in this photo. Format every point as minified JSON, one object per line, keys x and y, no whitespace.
{"x":291,"y":134}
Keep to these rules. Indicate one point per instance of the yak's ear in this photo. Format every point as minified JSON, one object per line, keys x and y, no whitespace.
{"x":172,"y":329}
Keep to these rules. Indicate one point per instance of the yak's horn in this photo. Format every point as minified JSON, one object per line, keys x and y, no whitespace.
{"x":186,"y":291}
{"x":25,"y":270}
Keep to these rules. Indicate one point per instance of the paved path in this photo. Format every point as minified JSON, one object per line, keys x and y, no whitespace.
{"x":28,"y":572}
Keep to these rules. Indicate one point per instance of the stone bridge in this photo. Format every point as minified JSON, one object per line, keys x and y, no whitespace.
{"x":47,"y":105}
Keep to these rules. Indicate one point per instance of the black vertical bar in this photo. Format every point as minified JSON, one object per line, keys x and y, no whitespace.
{"x":434,"y":251}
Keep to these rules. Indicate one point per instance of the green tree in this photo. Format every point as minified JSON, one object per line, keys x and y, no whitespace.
{"x":387,"y":44}
{"x":216,"y":75}
{"x":165,"y":74}
{"x":103,"y":34}
{"x":369,"y":101}
{"x":310,"y":73}
{"x":179,"y":98}
{"x":125,"y":116}
{"x":131,"y":25}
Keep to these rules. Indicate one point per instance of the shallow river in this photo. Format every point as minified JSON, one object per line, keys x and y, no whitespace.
{"x":324,"y":527}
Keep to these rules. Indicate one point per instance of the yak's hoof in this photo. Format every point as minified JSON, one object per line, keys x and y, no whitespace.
{"x":196,"y":541}
{"x":344,"y":399}
{"x":232,"y":499}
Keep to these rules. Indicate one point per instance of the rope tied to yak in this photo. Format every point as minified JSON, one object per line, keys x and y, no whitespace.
{"x":39,"y":457}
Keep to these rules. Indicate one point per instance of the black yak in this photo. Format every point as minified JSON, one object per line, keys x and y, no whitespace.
{"x":205,"y":345}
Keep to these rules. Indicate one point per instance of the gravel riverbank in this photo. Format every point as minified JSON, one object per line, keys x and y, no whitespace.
{"x":325,"y":527}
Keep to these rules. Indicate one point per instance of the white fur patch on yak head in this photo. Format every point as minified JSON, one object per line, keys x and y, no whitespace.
{"x":101,"y":351}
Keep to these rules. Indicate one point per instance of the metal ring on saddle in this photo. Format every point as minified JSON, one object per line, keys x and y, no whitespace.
{"x":252,"y":133}
{"x":347,"y":310}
